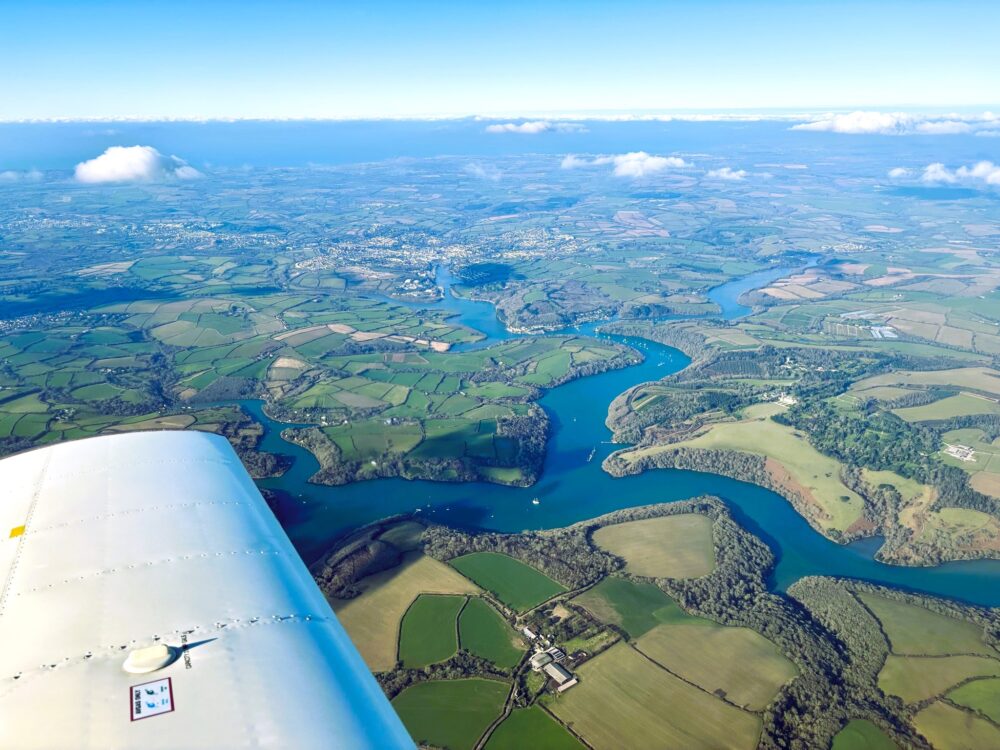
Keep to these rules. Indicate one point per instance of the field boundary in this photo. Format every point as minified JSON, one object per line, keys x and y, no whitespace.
{"x":458,"y":618}
{"x":563,"y":724}
{"x":966,"y":709}
{"x":399,"y":626}
{"x":683,"y":679}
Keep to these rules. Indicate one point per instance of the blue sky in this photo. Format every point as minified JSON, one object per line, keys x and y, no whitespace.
{"x":423,"y":58}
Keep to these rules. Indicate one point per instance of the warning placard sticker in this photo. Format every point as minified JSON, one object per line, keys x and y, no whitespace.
{"x":151,"y":699}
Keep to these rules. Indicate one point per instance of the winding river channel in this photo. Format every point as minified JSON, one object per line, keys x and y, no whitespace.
{"x":573,"y":487}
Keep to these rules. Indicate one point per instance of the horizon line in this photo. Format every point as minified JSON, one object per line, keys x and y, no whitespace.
{"x":766,"y":114}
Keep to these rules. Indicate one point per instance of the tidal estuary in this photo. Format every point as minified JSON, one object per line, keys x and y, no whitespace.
{"x":573,"y":486}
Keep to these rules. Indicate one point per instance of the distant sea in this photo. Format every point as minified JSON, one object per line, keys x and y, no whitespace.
{"x":267,"y":144}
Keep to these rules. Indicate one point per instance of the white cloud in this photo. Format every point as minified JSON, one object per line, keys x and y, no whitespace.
{"x":983,"y":171}
{"x":185,"y":172}
{"x":640,"y":164}
{"x":477,"y":170}
{"x":633,"y":164}
{"x":986,"y":171}
{"x":899,"y":173}
{"x":937,"y":172}
{"x":533,"y":127}
{"x":943,"y":127}
{"x":133,"y":164}
{"x":571,"y":161}
{"x":10,"y":175}
{"x":899,"y":123}
{"x":989,"y":133}
{"x":884,"y":123}
{"x":538,"y":126}
{"x":727,"y":173}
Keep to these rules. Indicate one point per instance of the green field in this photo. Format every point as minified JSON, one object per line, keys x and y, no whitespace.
{"x":746,"y":667}
{"x":532,"y":727}
{"x":915,"y":630}
{"x":811,"y":473}
{"x":917,"y":678}
{"x":960,"y":405}
{"x":418,"y":410}
{"x":450,"y":714}
{"x":677,"y":546}
{"x":483,"y":632}
{"x":373,"y":618}
{"x":517,"y":585}
{"x":910,"y":489}
{"x":625,"y":701}
{"x":635,"y":607}
{"x":495,"y":390}
{"x":413,"y":410}
{"x":950,"y":728}
{"x":363,"y":441}
{"x":861,"y":734}
{"x":57,"y":384}
{"x":378,"y":378}
{"x":979,"y":695}
{"x":427,"y":633}
{"x":738,"y":663}
{"x":982,"y":379}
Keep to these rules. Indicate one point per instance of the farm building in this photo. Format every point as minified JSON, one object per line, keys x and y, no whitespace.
{"x":556,"y":653}
{"x":961,"y":452}
{"x":566,"y":685}
{"x":540,"y":659}
{"x":561,"y":676}
{"x":529,"y":633}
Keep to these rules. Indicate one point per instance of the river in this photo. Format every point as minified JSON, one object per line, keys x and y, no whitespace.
{"x":573,"y":487}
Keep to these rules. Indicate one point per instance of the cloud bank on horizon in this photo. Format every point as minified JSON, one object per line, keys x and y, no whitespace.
{"x":861,"y":122}
{"x":903,"y":123}
{"x":533,"y":127}
{"x":133,"y":164}
{"x":633,"y":164}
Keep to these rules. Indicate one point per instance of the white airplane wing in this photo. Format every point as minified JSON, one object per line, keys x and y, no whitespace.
{"x":151,"y":600}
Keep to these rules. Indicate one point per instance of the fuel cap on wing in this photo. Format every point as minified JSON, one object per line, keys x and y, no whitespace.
{"x":149,"y":659}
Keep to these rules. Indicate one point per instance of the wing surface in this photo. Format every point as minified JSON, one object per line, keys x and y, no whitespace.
{"x":112,"y":545}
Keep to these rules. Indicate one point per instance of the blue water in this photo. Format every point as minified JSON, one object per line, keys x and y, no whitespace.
{"x":573,"y":488}
{"x":727,"y":296}
{"x":217,"y":146}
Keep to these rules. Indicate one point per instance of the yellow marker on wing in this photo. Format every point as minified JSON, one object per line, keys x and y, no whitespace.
{"x":16,"y":531}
